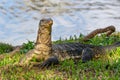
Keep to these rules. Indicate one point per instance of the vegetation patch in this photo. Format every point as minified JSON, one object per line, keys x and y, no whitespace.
{"x":5,"y":48}
{"x":27,"y":46}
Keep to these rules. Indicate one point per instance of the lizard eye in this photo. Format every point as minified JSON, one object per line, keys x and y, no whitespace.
{"x":46,"y":21}
{"x":42,"y":20}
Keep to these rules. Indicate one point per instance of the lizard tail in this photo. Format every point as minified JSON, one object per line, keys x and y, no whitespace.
{"x":112,"y":47}
{"x":117,"y":44}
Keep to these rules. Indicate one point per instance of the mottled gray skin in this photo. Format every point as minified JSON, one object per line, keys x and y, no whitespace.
{"x":79,"y":50}
{"x":68,"y":50}
{"x":52,"y":54}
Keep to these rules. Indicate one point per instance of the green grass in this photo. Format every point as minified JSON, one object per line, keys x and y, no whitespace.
{"x":5,"y":48}
{"x":106,"y":67}
{"x":97,"y":40}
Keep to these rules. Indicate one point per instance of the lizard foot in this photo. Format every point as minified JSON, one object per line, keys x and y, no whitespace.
{"x":87,"y":54}
{"x":50,"y":61}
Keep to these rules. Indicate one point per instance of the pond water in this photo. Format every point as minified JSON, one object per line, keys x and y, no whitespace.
{"x":19,"y":18}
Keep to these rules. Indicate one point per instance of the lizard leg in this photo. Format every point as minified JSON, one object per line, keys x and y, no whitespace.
{"x":50,"y":61}
{"x":87,"y":54}
{"x":27,"y":57}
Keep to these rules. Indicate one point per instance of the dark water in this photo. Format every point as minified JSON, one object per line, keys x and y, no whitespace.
{"x":19,"y":18}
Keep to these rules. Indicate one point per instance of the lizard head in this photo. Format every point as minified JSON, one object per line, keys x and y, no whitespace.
{"x":47,"y":22}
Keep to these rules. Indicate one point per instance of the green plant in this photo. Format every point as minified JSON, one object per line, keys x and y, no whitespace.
{"x":5,"y":48}
{"x":27,"y":46}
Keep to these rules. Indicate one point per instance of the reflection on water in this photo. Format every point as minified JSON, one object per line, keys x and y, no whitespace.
{"x":19,"y":18}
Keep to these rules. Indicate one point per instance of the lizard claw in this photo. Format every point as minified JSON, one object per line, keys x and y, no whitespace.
{"x":50,"y":61}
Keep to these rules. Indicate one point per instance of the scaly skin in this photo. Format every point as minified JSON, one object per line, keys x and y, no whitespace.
{"x":52,"y":54}
{"x":43,"y":45}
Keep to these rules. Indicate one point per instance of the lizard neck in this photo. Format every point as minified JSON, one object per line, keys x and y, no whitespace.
{"x":43,"y":46}
{"x":44,"y":35}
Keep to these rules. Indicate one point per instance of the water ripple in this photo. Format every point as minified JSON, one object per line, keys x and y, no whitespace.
{"x":19,"y":18}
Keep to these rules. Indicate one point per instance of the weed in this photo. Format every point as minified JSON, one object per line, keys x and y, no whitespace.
{"x":27,"y":46}
{"x":5,"y":48}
